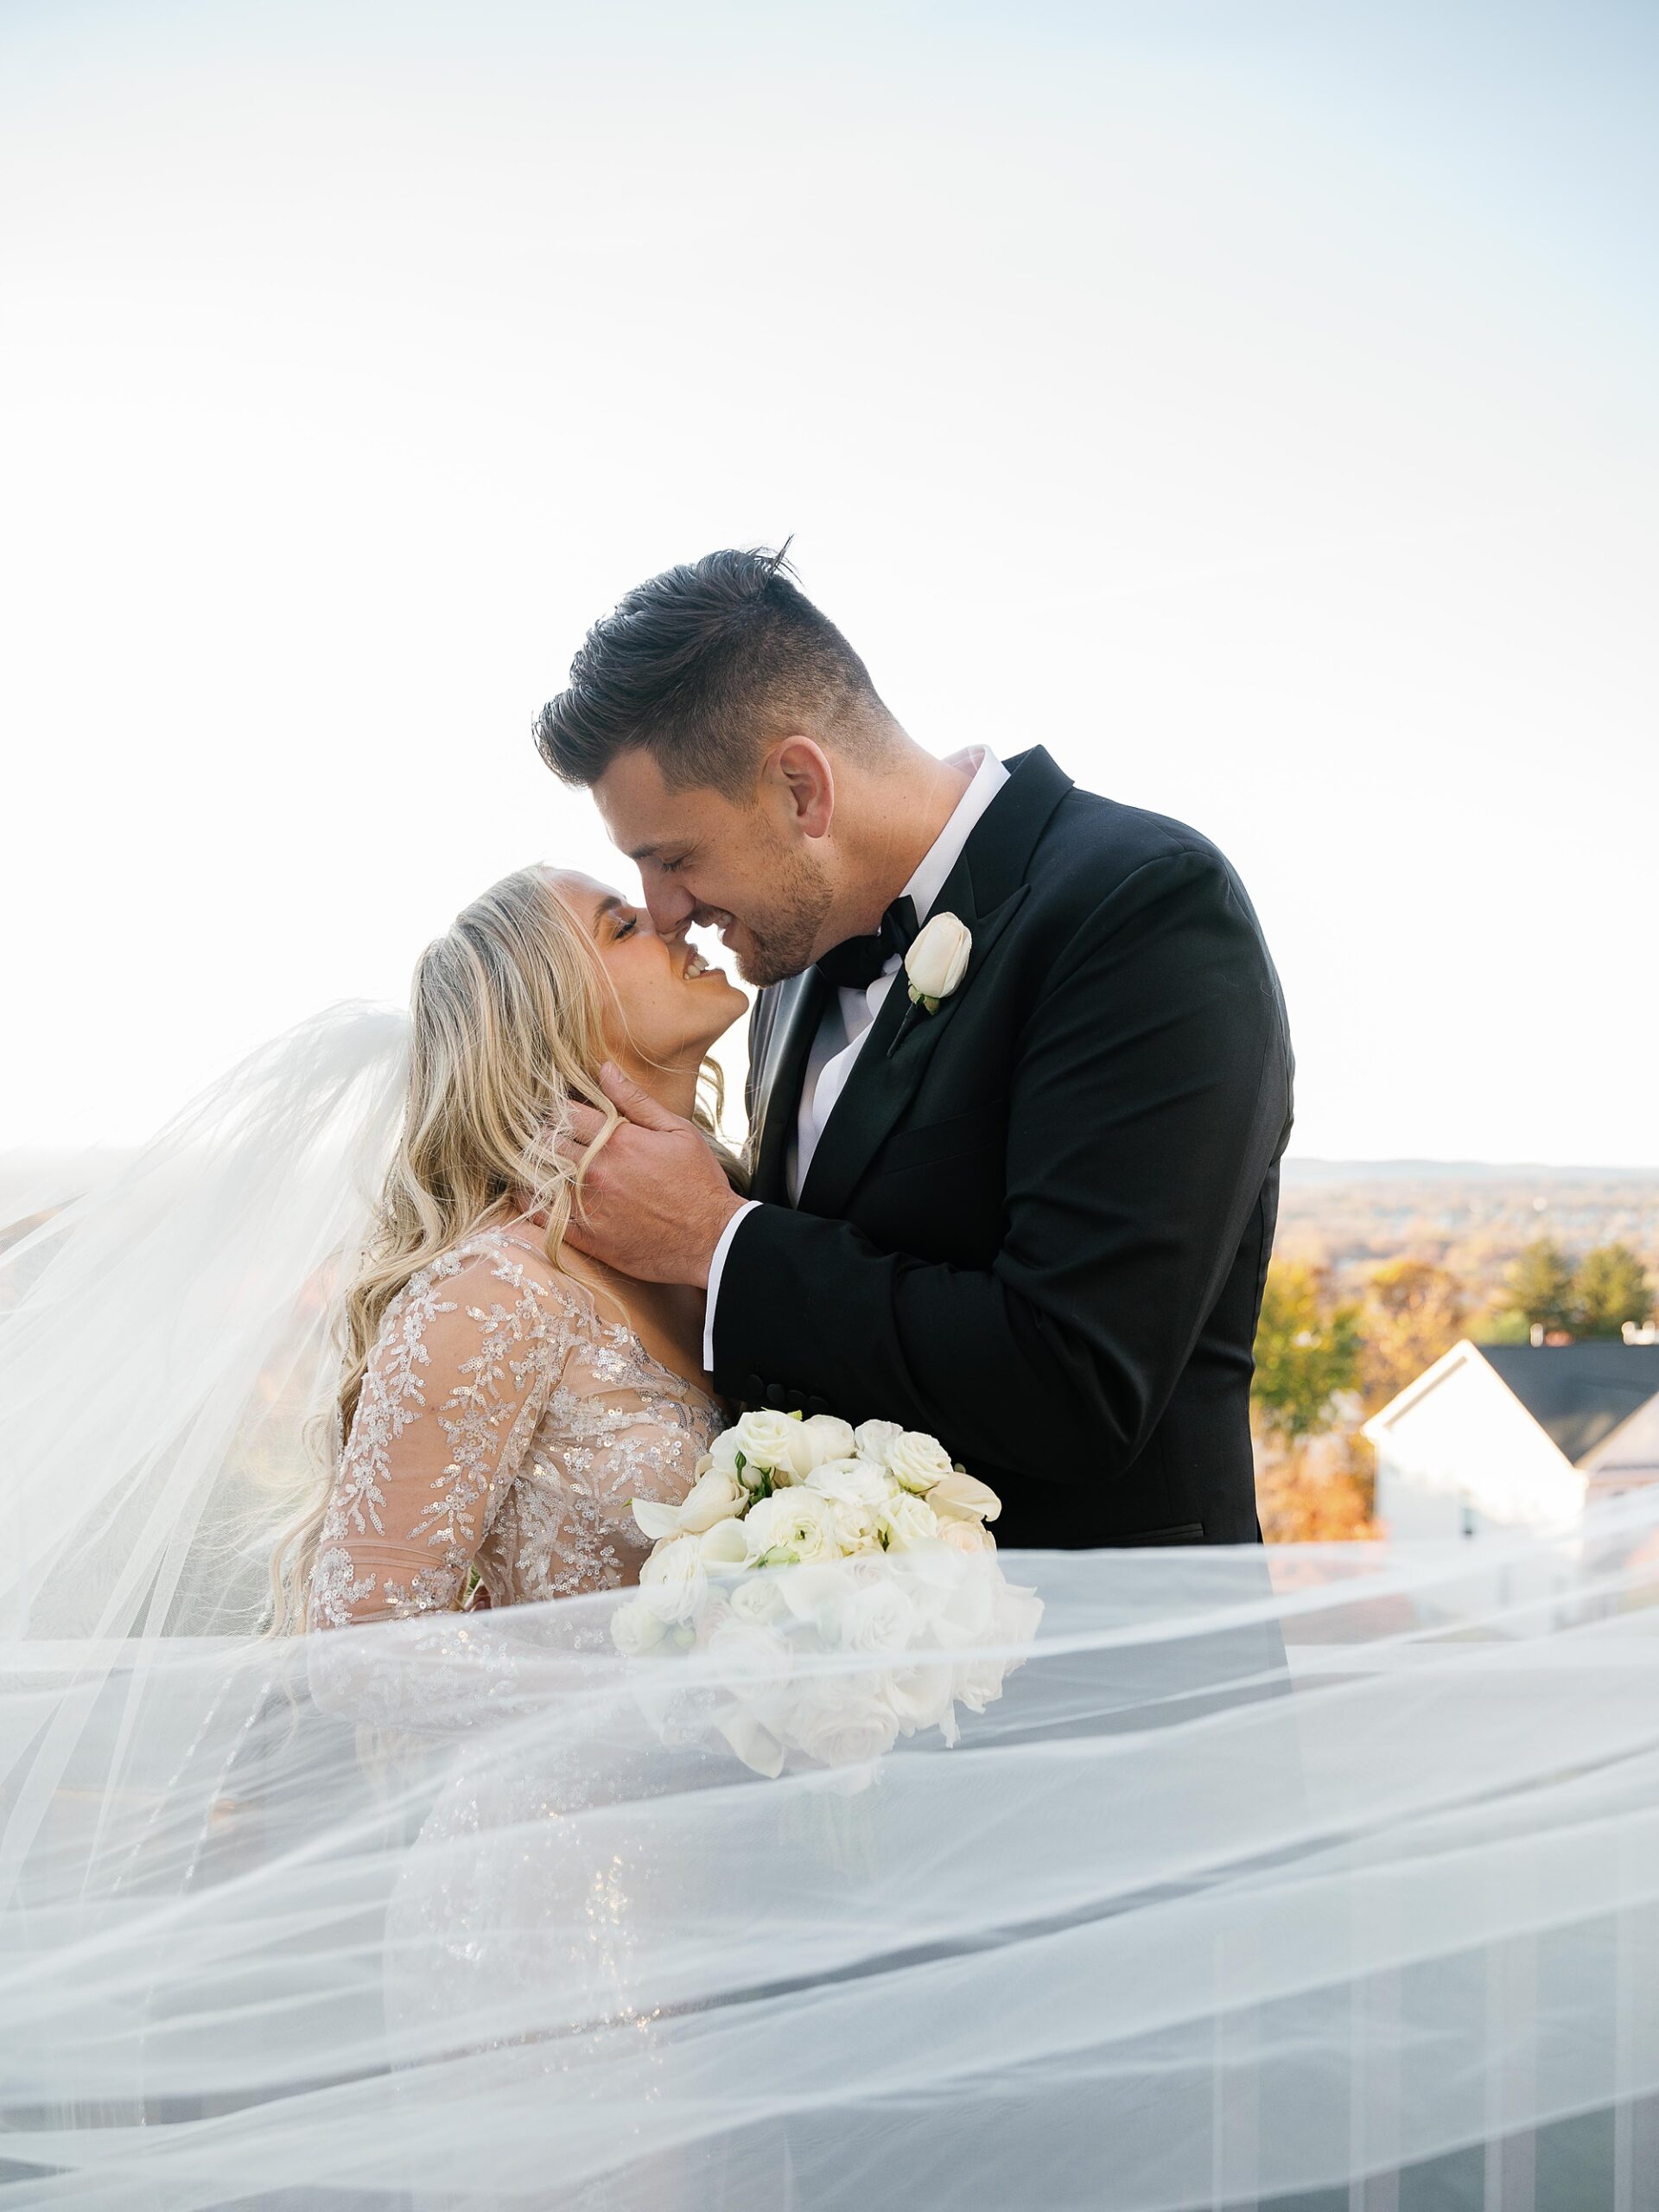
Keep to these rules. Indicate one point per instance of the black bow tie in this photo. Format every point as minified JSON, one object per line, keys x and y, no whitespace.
{"x":855,"y":964}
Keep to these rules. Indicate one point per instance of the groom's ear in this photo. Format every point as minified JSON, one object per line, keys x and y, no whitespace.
{"x":799,"y":783}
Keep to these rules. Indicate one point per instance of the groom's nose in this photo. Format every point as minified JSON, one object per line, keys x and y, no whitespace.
{"x":670,"y":907}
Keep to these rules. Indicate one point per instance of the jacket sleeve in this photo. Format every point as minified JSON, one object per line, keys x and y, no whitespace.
{"x":1149,"y":1098}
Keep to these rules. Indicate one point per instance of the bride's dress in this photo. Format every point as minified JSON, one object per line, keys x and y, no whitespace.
{"x":504,"y":1421}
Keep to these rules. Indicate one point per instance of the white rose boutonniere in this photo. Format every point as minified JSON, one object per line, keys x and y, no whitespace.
{"x":937,"y":960}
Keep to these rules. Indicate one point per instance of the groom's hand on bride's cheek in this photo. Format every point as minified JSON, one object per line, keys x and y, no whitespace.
{"x":654,"y":1201}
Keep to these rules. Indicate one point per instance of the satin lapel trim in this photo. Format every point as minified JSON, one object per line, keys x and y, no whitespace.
{"x":783,"y":1066}
{"x":887,"y":1072}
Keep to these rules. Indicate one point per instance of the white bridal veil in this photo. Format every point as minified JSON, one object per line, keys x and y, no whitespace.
{"x":1327,"y":1876}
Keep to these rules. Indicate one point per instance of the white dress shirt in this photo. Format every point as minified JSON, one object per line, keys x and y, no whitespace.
{"x":850,"y":1015}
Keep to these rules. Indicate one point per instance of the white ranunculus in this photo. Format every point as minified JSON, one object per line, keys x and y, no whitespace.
{"x":760,"y":1598}
{"x":956,"y":1497}
{"x":825,"y":1436}
{"x":713,"y":1496}
{"x":749,"y":1657}
{"x":858,"y":1527}
{"x":917,"y":1461}
{"x":766,"y":1438}
{"x":872,"y":1438}
{"x":937,"y":959}
{"x":850,"y":1482}
{"x":636,"y":1629}
{"x":906,"y":1521}
{"x":672,"y":1581}
{"x":792,"y":1524}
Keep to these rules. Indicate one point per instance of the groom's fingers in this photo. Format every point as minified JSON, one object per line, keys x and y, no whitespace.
{"x":583,"y":1124}
{"x":636,"y":1105}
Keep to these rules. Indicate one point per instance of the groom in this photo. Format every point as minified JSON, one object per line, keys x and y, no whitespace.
{"x":1028,"y":1209}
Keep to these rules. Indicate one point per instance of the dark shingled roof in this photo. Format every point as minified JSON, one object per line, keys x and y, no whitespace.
{"x":1578,"y":1394}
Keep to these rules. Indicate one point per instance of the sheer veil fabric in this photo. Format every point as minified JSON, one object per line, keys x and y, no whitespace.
{"x":1266,"y":1874}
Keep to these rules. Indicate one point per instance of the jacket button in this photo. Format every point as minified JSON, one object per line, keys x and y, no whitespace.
{"x":777,"y":1396}
{"x":753,"y":1387}
{"x":816,"y":1406}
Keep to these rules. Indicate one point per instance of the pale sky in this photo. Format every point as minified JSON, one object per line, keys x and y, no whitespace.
{"x":1253,"y":403}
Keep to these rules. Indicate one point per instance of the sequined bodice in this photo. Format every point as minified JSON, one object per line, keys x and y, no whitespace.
{"x":504,"y":1421}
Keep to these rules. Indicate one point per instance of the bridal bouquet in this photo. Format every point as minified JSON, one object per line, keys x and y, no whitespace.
{"x":891,"y":1608}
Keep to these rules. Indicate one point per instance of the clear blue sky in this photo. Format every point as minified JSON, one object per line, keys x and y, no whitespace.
{"x":1253,"y":403}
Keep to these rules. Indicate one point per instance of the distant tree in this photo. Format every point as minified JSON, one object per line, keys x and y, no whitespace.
{"x":1320,"y":1489}
{"x":1414,"y":1311}
{"x":1307,"y":1351}
{"x":1540,"y":1286}
{"x":1610,"y":1288}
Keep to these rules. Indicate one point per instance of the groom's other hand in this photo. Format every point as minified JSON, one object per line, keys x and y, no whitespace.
{"x":654,"y":1201}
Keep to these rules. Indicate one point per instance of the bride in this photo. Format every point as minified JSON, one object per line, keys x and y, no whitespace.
{"x":503,"y":1398}
{"x":479,"y":1931}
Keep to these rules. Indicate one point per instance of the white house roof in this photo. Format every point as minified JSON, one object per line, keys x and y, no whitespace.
{"x":1579,"y":1394}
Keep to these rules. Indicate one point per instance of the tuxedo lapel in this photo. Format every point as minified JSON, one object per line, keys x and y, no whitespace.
{"x":778,"y":1087}
{"x":889,"y":1067}
{"x":984,"y":890}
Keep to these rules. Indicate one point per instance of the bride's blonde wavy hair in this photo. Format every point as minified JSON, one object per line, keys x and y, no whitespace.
{"x":507,"y":1029}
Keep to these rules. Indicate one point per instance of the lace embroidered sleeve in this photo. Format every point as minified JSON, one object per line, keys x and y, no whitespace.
{"x":469,"y":1355}
{"x":619,"y":1426}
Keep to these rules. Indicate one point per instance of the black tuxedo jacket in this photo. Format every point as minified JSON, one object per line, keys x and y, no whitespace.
{"x":1037,"y":1222}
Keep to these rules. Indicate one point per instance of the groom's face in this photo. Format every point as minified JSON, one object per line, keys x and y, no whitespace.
{"x":752,"y":868}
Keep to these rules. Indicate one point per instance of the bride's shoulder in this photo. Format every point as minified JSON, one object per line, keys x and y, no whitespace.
{"x":499,"y":1268}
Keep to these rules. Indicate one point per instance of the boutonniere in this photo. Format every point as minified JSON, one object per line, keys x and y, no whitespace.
{"x":937,"y":960}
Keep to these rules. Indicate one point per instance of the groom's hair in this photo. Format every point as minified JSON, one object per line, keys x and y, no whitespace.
{"x":704,"y":666}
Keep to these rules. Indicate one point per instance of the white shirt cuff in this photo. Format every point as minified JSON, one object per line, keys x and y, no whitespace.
{"x":715,"y":1267}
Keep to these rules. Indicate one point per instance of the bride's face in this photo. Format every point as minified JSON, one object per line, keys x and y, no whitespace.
{"x":674,"y":1003}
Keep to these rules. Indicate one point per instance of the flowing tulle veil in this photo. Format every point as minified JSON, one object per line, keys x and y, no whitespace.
{"x":1328,"y":1869}
{"x":165,"y":1360}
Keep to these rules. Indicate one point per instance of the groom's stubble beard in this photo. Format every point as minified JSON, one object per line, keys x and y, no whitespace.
{"x":782,"y":942}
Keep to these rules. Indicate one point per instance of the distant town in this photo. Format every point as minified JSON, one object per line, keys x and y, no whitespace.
{"x":1453,"y":1347}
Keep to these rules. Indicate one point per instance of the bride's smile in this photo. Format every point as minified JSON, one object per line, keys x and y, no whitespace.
{"x":671,"y":1003}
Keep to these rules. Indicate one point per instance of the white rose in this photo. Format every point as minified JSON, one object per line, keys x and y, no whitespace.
{"x":956,"y":1497}
{"x":766,"y":1438}
{"x":906,"y":1521}
{"x":840,"y":1724}
{"x":937,"y":959}
{"x":826,"y":1436}
{"x":672,"y":1581}
{"x":872,"y":1438}
{"x":979,"y":1681}
{"x":877,"y":1617}
{"x":917,"y":1461}
{"x":635,"y":1629}
{"x":792,"y":1524}
{"x":921,"y":1696}
{"x":964,"y":1535}
{"x":713,"y":1496}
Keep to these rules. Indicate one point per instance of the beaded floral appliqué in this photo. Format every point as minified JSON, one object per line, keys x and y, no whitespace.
{"x":500,"y":1422}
